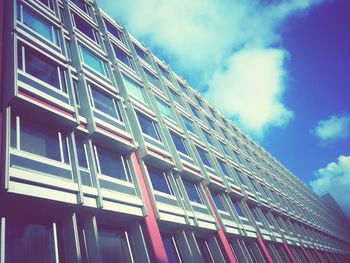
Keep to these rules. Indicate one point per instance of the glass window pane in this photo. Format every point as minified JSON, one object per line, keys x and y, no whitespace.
{"x":103,"y":102}
{"x":133,"y":88}
{"x":93,"y":61}
{"x":113,"y":246}
{"x":40,"y":26}
{"x":204,"y":249}
{"x":41,"y":68}
{"x":123,"y":56}
{"x":148,"y":127}
{"x":164,"y":72}
{"x":28,"y":242}
{"x":152,"y":79}
{"x":159,"y":182}
{"x":208,"y":138}
{"x":113,"y":30}
{"x":85,"y":28}
{"x":112,"y":164}
{"x":37,"y":139}
{"x":218,"y":202}
{"x":192,"y":192}
{"x":82,"y":5}
{"x":238,"y":209}
{"x":176,"y":97}
{"x":79,"y":143}
{"x":203,"y":157}
{"x":165,"y":108}
{"x":223,"y":167}
{"x":170,"y":249}
{"x":188,"y":124}
{"x":179,"y":144}
{"x":194,"y":110}
{"x":141,"y":53}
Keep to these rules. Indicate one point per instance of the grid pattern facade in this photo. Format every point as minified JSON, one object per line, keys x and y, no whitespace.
{"x":110,"y":156}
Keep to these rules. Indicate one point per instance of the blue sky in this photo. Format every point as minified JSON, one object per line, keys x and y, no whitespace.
{"x":279,"y":69}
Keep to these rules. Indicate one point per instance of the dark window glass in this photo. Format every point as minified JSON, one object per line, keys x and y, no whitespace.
{"x":123,"y":56}
{"x":112,"y":164}
{"x":28,"y":242}
{"x":208,"y":138}
{"x":253,"y":184}
{"x":255,"y":216}
{"x":225,"y":135}
{"x":159,"y":182}
{"x":176,"y":97}
{"x":188,"y":124}
{"x":152,"y":79}
{"x":82,"y":5}
{"x":192,"y":192}
{"x":170,"y":249}
{"x":39,"y":25}
{"x":224,"y":148}
{"x":79,"y":143}
{"x":203,"y":156}
{"x":142,"y":54}
{"x":240,"y":177}
{"x":104,"y":103}
{"x":211,"y":123}
{"x":183,"y":88}
{"x":164,"y":72}
{"x":194,"y":110}
{"x":148,"y":127}
{"x":13,"y":132}
{"x":36,"y":138}
{"x":85,"y":28}
{"x":218,"y":202}
{"x":223,"y":167}
{"x":238,"y":209}
{"x":179,"y":143}
{"x":42,"y":68}
{"x":48,"y":3}
{"x":113,"y":246}
{"x":114,"y":31}
{"x":205,"y":251}
{"x":83,"y":244}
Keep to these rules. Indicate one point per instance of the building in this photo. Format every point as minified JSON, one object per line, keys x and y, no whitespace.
{"x":109,"y":156}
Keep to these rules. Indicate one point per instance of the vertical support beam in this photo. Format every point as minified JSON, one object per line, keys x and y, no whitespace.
{"x":220,"y":232}
{"x":306,"y":254}
{"x":264,"y":250}
{"x":150,"y":220}
{"x":2,"y":238}
{"x":289,"y":253}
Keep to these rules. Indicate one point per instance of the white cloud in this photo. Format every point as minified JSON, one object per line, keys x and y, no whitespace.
{"x":213,"y":41}
{"x":335,"y":179}
{"x":332,"y":129}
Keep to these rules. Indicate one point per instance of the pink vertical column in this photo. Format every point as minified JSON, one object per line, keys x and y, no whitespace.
{"x":289,"y":253}
{"x":222,"y":237}
{"x":150,"y":220}
{"x":264,"y":250}
{"x":306,"y":254}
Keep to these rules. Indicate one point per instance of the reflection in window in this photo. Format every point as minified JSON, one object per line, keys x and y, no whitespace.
{"x":179,"y":143}
{"x":176,"y":97}
{"x":114,"y":246}
{"x":112,"y":164}
{"x":223,"y":167}
{"x":217,"y":201}
{"x":238,"y":209}
{"x":159,"y":180}
{"x":164,"y":72}
{"x":152,"y":79}
{"x":206,"y":254}
{"x":194,"y":111}
{"x":188,"y":124}
{"x":38,"y":24}
{"x":104,"y":103}
{"x":27,"y":242}
{"x":203,"y":156}
{"x":192,"y":192}
{"x":171,"y":248}
{"x":165,"y":108}
{"x":133,"y":88}
{"x":148,"y":126}
{"x":93,"y":61}
{"x":41,"y":67}
{"x":123,"y":56}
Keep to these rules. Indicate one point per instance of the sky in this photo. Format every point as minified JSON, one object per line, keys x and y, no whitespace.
{"x":279,"y":69}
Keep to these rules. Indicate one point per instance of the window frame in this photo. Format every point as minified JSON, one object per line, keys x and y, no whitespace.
{"x":166,"y":180}
{"x":95,"y":33}
{"x":153,"y":124}
{"x":96,"y":56}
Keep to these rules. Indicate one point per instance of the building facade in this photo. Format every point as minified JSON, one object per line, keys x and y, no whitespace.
{"x":109,"y":156}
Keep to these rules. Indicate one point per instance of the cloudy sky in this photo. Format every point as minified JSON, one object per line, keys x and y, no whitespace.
{"x":279,"y":69}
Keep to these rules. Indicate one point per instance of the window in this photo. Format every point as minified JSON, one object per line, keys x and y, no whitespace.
{"x":179,"y":143}
{"x":165,"y":109}
{"x":142,"y":54}
{"x":26,"y":242}
{"x":194,"y":111}
{"x":38,"y":24}
{"x":123,"y":56}
{"x":164,"y":72}
{"x":148,"y":126}
{"x":36,"y":138}
{"x":133,"y":88}
{"x":223,"y":167}
{"x":206,"y":254}
{"x":171,"y":248}
{"x":82,"y":5}
{"x":41,"y":68}
{"x":208,"y":138}
{"x":225,"y":149}
{"x":183,"y":88}
{"x":225,"y":134}
{"x":200,"y":102}
{"x":240,"y":177}
{"x":104,"y":103}
{"x":152,"y":79}
{"x":188,"y":124}
{"x":176,"y":97}
{"x":238,"y":209}
{"x":254,"y":214}
{"x":192,"y":192}
{"x":211,"y":123}
{"x":114,"y":30}
{"x":203,"y":156}
{"x":81,"y":152}
{"x":112,"y":164}
{"x":217,"y":201}
{"x":159,"y":180}
{"x":47,"y":3}
{"x":87,"y":29}
{"x":93,"y":61}
{"x":114,"y":245}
